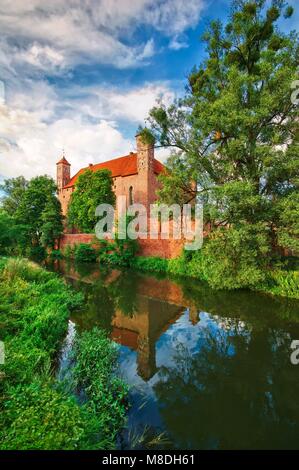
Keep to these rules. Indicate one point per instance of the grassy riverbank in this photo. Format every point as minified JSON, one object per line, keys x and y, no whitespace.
{"x":276,"y":277}
{"x":280,"y":281}
{"x":38,"y":411}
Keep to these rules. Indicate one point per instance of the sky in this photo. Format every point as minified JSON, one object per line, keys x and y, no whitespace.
{"x":81,"y":75}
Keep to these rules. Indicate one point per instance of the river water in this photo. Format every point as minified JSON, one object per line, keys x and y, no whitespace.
{"x":206,"y":369}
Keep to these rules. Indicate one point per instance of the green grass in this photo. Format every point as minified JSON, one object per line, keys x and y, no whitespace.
{"x":37,"y":411}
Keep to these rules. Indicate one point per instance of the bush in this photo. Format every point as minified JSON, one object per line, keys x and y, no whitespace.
{"x":118,"y":253}
{"x":235,"y":258}
{"x":154,"y":264}
{"x":85,"y":253}
{"x":37,"y":252}
{"x":56,"y":254}
{"x":283,"y":283}
{"x":95,"y":359}
{"x":69,"y":251}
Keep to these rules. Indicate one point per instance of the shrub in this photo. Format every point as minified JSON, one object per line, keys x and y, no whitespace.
{"x":56,"y":254}
{"x":154,"y":264}
{"x":95,"y":362}
{"x":118,"y":253}
{"x":235,"y":258}
{"x":283,"y":283}
{"x":69,"y":251}
{"x":85,"y":253}
{"x":36,"y":252}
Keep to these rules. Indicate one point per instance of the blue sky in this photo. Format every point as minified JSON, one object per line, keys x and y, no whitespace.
{"x":83,"y":74}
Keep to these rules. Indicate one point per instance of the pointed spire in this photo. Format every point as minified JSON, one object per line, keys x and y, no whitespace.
{"x":63,"y":159}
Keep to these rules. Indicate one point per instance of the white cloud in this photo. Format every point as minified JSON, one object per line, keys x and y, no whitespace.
{"x":42,"y":57}
{"x":41,"y":39}
{"x":132,"y":105}
{"x":34,"y":128}
{"x":57,"y":35}
{"x":178,"y":42}
{"x":30,"y":147}
{"x":175,"y":16}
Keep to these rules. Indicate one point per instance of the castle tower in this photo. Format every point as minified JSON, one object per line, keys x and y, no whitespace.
{"x":145,"y":166}
{"x":63,"y":176}
{"x":63,"y":173}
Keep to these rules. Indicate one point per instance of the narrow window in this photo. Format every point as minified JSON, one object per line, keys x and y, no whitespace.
{"x":131,"y":195}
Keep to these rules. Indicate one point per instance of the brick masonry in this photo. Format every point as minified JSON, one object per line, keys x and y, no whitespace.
{"x":134,"y":176}
{"x":161,"y":248}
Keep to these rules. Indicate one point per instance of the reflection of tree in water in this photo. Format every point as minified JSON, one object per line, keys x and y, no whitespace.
{"x":102,"y":299}
{"x":124,"y":292}
{"x":98,"y":308}
{"x":244,"y":304}
{"x":238,"y":391}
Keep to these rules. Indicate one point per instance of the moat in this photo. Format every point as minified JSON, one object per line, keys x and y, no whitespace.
{"x":207,"y":369}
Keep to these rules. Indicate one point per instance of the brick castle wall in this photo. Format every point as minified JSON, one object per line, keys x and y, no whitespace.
{"x":161,"y":248}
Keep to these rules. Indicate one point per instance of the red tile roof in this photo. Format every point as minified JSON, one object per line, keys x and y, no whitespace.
{"x":122,"y":166}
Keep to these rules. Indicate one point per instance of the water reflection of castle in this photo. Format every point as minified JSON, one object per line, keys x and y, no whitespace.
{"x":159,"y":303}
{"x":141,"y":331}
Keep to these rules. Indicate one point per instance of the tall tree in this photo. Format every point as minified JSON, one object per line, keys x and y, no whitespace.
{"x":13,"y":190}
{"x":236,"y":130}
{"x":52,"y":226}
{"x":39,"y":197}
{"x":14,"y":238}
{"x":92,"y":189}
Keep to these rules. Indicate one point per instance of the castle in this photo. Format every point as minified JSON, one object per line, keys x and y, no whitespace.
{"x":133,"y":175}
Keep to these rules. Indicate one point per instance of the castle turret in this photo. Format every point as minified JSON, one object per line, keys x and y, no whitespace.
{"x":63,"y":173}
{"x":63,"y":176}
{"x":145,"y":166}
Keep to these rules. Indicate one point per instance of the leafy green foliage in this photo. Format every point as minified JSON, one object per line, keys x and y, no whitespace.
{"x":96,"y":359}
{"x":13,"y":189}
{"x":37,"y":412}
{"x":235,"y":258}
{"x":236,"y":135}
{"x":154,"y":264}
{"x":40,"y":210}
{"x":213,"y":264}
{"x":42,"y":418}
{"x":14,"y":237}
{"x":31,"y":217}
{"x":121,"y":251}
{"x":69,"y":251}
{"x":283,"y":283}
{"x":85,"y":253}
{"x":56,"y":254}
{"x":91,"y":190}
{"x":146,"y":135}
{"x":51,"y":227}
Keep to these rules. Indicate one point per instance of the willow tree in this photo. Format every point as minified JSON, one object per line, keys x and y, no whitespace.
{"x":236,"y":134}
